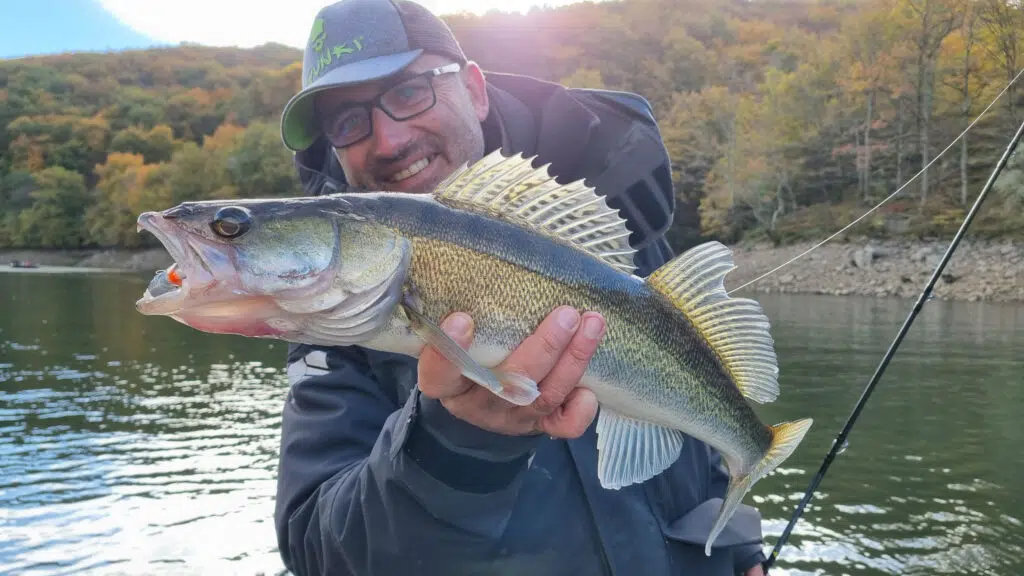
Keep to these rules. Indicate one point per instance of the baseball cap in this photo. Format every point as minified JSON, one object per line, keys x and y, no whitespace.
{"x":355,"y":41}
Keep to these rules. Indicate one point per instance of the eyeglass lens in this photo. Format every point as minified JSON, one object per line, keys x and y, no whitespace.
{"x":400,"y":102}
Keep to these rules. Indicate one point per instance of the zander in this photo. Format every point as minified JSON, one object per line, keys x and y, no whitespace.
{"x":504,"y":242}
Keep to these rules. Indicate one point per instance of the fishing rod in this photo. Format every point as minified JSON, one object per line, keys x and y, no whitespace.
{"x":840,"y":442}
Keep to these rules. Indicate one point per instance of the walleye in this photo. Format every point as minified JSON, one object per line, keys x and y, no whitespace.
{"x":504,"y":242}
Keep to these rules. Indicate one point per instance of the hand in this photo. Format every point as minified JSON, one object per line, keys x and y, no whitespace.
{"x":755,"y":570}
{"x":555,"y":356}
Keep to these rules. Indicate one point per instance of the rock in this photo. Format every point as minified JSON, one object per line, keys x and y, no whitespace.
{"x":864,"y":257}
{"x":786,"y":279}
{"x":921,"y":254}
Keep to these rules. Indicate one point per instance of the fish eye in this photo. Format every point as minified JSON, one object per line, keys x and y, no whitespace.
{"x":231,"y":222}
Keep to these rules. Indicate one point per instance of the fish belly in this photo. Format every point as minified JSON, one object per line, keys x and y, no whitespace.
{"x":698,"y":407}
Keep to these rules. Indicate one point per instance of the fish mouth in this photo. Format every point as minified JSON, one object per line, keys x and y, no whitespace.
{"x":195,"y":267}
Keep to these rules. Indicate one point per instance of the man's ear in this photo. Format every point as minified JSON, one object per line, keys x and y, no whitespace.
{"x":477,"y":88}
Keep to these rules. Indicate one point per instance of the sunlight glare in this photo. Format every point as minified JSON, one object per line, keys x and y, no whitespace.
{"x":247,"y":24}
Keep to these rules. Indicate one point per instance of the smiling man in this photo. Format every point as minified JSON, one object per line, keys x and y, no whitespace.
{"x":393,"y":466}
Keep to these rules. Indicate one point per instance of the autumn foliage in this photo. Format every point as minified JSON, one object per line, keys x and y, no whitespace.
{"x":784,"y":118}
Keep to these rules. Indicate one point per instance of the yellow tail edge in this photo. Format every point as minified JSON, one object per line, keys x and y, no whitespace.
{"x":785,"y":438}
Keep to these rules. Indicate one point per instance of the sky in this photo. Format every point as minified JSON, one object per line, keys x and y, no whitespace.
{"x":31,"y":27}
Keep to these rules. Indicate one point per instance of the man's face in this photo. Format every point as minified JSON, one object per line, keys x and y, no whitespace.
{"x":416,"y":154}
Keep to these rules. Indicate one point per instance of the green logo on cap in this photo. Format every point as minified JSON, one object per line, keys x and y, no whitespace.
{"x":317,"y":39}
{"x":317,"y":35}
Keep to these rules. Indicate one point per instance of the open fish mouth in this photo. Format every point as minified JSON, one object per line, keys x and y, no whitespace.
{"x":189,"y":275}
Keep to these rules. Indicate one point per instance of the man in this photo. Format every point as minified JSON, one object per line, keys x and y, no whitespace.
{"x":391,"y":466}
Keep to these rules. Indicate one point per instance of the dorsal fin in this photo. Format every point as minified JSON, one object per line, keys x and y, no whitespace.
{"x":736,"y":328}
{"x":510,"y":188}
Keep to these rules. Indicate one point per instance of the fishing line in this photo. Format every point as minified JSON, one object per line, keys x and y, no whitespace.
{"x":838,"y":443}
{"x":890,"y":197}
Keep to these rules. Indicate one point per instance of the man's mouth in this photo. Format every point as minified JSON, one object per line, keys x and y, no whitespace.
{"x":414,"y":169}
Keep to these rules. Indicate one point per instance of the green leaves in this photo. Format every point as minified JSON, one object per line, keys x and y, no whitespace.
{"x":772,"y":112}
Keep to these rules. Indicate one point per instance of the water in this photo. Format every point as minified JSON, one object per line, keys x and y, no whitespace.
{"x":134,"y":445}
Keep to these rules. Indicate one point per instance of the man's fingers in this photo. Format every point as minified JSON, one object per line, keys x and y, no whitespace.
{"x":439,"y":378}
{"x":571,"y":419}
{"x":535,"y":357}
{"x":570,"y":367}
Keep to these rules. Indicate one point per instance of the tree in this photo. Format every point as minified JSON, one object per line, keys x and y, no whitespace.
{"x":1003,"y":21}
{"x":122,"y":193}
{"x":54,"y":219}
{"x":934,"y":21}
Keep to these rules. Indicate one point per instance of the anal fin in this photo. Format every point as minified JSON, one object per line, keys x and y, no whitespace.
{"x":517,"y":389}
{"x":631,"y":451}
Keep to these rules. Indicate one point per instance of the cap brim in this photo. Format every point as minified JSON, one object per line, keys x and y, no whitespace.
{"x":298,"y":126}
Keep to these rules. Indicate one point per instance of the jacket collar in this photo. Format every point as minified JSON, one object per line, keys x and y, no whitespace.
{"x":534,"y":117}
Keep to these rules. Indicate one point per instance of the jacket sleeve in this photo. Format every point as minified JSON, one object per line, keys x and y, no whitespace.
{"x":368,"y":483}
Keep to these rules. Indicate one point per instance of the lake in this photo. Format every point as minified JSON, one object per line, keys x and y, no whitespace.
{"x":135,"y":445}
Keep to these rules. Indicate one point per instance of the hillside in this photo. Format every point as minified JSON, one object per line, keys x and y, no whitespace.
{"x":784,"y":119}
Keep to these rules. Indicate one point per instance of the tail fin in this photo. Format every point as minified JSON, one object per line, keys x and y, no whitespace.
{"x":785,"y":438}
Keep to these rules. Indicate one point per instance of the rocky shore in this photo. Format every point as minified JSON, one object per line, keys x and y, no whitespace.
{"x":127,"y":260}
{"x":980,"y":270}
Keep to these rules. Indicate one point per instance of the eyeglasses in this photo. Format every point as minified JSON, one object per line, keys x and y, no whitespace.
{"x":411,"y":97}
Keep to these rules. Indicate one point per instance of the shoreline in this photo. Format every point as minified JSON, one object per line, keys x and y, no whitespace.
{"x":979,"y":270}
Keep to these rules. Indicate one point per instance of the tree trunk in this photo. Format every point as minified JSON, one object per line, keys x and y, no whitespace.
{"x":858,"y":163}
{"x":899,"y":142}
{"x":923,"y":123}
{"x":963,"y":84}
{"x":965,"y":107}
{"x":867,"y":146}
{"x":922,"y":107}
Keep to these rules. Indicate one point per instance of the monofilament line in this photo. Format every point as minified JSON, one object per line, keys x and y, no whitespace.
{"x":890,"y":197}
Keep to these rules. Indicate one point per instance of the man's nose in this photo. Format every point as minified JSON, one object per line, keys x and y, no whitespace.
{"x":390,"y":137}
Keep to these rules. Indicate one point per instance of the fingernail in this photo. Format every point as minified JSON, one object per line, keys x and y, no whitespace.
{"x":457,"y":324}
{"x":567,"y":318}
{"x":592,"y":327}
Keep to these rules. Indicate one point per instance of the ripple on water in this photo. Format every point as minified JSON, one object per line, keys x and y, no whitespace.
{"x":122,"y":460}
{"x":138,"y":466}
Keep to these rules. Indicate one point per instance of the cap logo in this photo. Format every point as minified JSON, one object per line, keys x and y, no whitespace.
{"x":325,"y":55}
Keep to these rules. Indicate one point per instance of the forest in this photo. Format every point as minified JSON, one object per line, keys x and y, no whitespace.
{"x":785,"y":119}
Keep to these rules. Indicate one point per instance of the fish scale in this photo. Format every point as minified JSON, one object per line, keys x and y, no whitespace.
{"x":504,"y":242}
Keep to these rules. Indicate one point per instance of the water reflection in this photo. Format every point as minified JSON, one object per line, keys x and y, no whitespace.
{"x":135,"y":445}
{"x":926,"y":485}
{"x":131,"y":445}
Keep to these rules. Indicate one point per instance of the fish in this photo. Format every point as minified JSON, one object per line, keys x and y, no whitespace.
{"x":504,"y":241}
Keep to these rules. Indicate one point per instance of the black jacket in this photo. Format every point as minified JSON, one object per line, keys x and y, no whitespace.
{"x":375,"y":479}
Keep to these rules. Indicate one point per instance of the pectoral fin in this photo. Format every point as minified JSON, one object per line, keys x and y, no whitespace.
{"x":514,"y":388}
{"x":631,"y":451}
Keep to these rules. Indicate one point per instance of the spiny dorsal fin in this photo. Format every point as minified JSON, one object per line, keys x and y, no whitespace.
{"x":511,"y":189}
{"x":736,"y":328}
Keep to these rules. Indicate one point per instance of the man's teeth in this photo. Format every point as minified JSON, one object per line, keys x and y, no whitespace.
{"x":411,"y":171}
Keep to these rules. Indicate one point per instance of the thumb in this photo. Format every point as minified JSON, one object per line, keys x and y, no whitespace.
{"x":439,"y":378}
